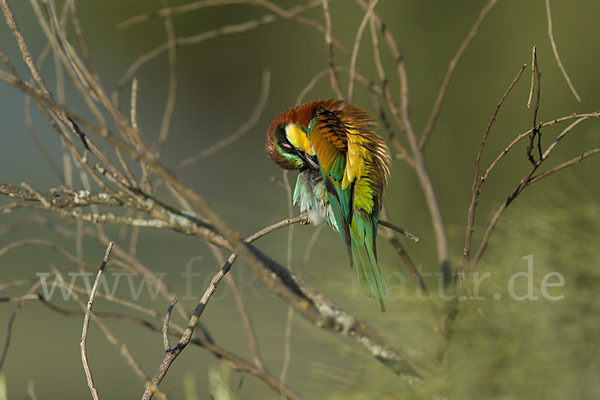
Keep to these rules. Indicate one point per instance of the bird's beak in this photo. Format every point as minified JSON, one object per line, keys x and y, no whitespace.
{"x":308,"y":160}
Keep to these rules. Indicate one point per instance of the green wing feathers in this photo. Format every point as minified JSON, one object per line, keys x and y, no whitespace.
{"x":354,"y":165}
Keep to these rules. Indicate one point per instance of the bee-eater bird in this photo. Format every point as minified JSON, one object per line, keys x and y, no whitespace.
{"x":344,"y":167}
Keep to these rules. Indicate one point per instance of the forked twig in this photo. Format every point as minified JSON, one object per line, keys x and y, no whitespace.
{"x":526,"y":181}
{"x":173,"y":352}
{"x":479,"y":181}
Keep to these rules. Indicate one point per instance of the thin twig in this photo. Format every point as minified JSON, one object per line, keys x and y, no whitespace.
{"x":335,"y":84}
{"x":248,"y":327}
{"x":39,"y":242}
{"x":86,"y":323}
{"x":435,"y":113}
{"x":38,"y":143}
{"x":31,"y":390}
{"x":555,"y":51}
{"x":9,"y":329}
{"x":311,"y":243}
{"x":536,"y":129}
{"x":169,"y":11}
{"x":563,"y":165}
{"x":533,"y":58}
{"x":85,"y":54}
{"x":172,"y":95}
{"x":354,"y":56}
{"x":396,"y":228}
{"x":24,"y":49}
{"x":174,"y":352}
{"x":241,"y":131}
{"x":121,"y":347}
{"x":287,"y":337}
{"x":166,"y":320}
{"x":387,"y":95}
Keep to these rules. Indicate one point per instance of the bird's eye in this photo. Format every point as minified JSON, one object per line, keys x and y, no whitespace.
{"x":287,"y":148}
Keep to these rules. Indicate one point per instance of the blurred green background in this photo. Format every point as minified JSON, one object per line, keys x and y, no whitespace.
{"x":500,"y":349}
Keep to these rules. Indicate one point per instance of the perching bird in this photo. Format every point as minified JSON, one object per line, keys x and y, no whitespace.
{"x":344,"y":166}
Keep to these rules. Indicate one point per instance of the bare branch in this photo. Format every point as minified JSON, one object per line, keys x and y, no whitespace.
{"x":172,"y":353}
{"x":23,"y":48}
{"x":527,"y":133}
{"x":525,"y":182}
{"x":60,"y":197}
{"x":122,"y":348}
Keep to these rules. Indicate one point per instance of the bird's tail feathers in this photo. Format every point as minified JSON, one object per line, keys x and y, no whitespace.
{"x":365,"y":258}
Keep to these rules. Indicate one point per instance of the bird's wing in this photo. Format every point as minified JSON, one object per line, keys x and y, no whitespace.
{"x":329,"y":141}
{"x":347,"y":152}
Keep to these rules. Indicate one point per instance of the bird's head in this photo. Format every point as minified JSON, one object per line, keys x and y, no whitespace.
{"x":288,"y":142}
{"x":288,"y":145}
